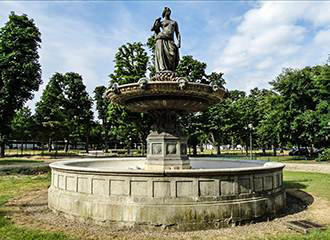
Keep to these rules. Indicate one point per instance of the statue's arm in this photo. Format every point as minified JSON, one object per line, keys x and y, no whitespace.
{"x":178,"y":35}
{"x":156,"y":26}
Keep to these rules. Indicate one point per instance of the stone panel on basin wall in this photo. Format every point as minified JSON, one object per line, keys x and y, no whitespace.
{"x":100,"y":187}
{"x":184,"y":188}
{"x":118,"y":187}
{"x":227,"y":187}
{"x":84,"y":185}
{"x":55,"y":179}
{"x":244,"y":185}
{"x":207,"y":188}
{"x":71,"y":184}
{"x":258,"y":184}
{"x":268,"y":183}
{"x":139,"y":188}
{"x":161,"y":189}
{"x":61,"y":181}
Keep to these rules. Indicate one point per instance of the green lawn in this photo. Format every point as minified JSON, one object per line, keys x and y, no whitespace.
{"x":11,"y":186}
{"x":11,"y":161}
{"x":293,"y":159}
{"x":314,"y":235}
{"x":29,"y":152}
{"x":316,"y":183}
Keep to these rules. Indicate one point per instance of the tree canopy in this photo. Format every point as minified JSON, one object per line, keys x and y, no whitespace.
{"x":20,"y":71}
{"x":65,"y":109}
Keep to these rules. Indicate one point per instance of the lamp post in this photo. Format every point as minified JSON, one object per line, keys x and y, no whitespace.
{"x":250,"y":127}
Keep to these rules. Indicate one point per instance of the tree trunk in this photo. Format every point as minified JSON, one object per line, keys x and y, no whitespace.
{"x":66,"y":145}
{"x":311,"y":152}
{"x":202,"y":147}
{"x":194,"y":147}
{"x":263,"y":151}
{"x":218,"y":149}
{"x":86,"y":145}
{"x":2,"y":149}
{"x":274,"y":151}
{"x":49,"y":144}
{"x":106,"y":150}
{"x":128,"y":150}
{"x":22,"y":147}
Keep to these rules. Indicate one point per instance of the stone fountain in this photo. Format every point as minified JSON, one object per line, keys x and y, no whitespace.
{"x":167,"y":188}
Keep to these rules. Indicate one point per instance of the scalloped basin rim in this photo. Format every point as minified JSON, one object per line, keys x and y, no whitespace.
{"x":73,"y":165}
{"x":160,"y":82}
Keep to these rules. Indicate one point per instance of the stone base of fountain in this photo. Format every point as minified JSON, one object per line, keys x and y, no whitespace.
{"x":166,"y":151}
{"x":214,"y":193}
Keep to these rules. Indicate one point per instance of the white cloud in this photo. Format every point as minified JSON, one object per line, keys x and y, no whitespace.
{"x":271,"y":36}
{"x":322,"y":38}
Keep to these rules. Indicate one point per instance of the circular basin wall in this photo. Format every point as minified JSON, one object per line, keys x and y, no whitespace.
{"x":213,"y":193}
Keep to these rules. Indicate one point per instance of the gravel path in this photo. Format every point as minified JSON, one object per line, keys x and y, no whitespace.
{"x":308,"y":167}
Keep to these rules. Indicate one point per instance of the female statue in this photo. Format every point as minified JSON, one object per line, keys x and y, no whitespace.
{"x":166,"y":51}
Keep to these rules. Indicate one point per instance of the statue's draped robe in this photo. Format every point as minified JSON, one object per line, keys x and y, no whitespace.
{"x":166,"y":51}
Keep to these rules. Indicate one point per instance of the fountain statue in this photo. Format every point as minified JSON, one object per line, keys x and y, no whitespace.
{"x":166,"y":51}
{"x":167,"y":188}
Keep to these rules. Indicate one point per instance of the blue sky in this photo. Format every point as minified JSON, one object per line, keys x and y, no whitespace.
{"x":250,"y":41}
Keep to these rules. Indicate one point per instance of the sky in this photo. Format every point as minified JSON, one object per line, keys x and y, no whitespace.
{"x":249,"y":41}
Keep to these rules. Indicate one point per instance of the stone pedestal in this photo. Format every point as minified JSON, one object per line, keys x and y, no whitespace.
{"x":166,"y":151}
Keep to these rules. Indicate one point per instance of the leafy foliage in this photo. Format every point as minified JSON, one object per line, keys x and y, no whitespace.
{"x":64,"y":110}
{"x":127,"y":127}
{"x":22,"y":124}
{"x":20,"y":72}
{"x":306,"y":103}
{"x":130,"y":63}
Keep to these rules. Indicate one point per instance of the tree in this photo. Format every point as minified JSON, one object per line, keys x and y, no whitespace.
{"x":20,"y":72}
{"x":191,"y":68}
{"x":22,"y":125}
{"x":102,"y":106}
{"x":78,"y":108}
{"x":50,"y":112}
{"x":130,"y":63}
{"x":305,"y":94}
{"x":64,"y":110}
{"x":274,"y":127}
{"x":216,"y":79}
{"x":151,"y":42}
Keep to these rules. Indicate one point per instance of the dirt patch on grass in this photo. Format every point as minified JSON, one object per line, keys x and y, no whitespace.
{"x":31,"y":211}
{"x":308,"y":167}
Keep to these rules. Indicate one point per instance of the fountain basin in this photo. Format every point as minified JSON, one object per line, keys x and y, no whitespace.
{"x":192,"y":97}
{"x":213,"y":193}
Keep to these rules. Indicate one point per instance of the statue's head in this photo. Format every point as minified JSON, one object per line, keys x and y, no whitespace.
{"x":166,"y":12}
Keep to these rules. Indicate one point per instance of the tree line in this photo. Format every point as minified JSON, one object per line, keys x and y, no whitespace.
{"x":293,"y":112}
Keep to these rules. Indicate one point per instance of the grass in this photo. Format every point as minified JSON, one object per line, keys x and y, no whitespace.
{"x":316,"y":183}
{"x":12,"y":161}
{"x":11,"y":186}
{"x":292,"y":159}
{"x":29,"y":152}
{"x":314,"y":235}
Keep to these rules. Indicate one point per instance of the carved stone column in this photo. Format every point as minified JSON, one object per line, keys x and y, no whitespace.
{"x":167,"y":148}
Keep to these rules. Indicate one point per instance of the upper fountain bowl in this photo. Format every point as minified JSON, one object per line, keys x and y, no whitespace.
{"x":178,"y":95}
